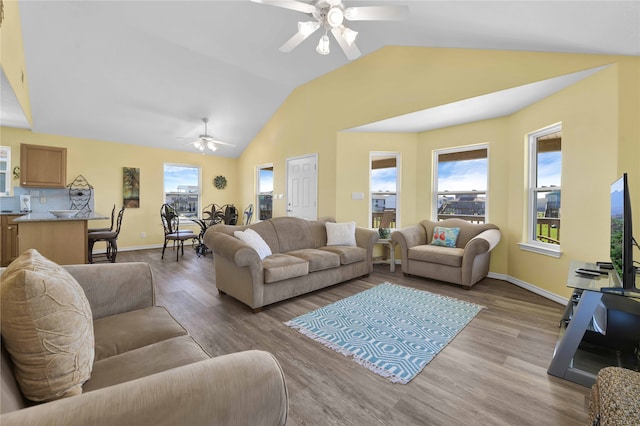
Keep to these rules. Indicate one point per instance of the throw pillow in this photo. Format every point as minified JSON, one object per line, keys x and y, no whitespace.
{"x":446,"y":237}
{"x":341,"y":234}
{"x":256,"y":242}
{"x":47,"y":327}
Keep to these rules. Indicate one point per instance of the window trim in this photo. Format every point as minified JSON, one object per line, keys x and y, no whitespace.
{"x":529,"y":243}
{"x":193,"y":166}
{"x":436,"y":155}
{"x":398,"y":157}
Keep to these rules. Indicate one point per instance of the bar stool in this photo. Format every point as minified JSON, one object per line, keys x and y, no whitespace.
{"x":113,"y":214}
{"x":110,"y":237}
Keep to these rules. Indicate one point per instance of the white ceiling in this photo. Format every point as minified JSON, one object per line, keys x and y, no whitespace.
{"x":146,"y":72}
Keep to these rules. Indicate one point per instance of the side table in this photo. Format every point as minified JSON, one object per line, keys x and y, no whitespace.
{"x":391,"y":261}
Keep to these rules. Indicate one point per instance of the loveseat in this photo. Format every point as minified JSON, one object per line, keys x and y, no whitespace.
{"x":292,"y":257}
{"x":143,"y":367}
{"x":462,"y":260}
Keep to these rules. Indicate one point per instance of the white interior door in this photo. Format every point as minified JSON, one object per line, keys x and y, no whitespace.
{"x":302,"y":187}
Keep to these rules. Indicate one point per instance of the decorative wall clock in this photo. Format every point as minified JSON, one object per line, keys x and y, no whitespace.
{"x":220,"y":182}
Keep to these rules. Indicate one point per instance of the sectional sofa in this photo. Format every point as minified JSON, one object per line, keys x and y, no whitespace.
{"x":87,"y":345}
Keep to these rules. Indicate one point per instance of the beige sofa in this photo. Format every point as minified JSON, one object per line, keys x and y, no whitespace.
{"x":301,"y":261}
{"x":465,"y":264}
{"x":147,"y":369}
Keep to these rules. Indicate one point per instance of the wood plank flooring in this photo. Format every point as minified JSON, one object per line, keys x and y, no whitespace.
{"x":493,"y":373}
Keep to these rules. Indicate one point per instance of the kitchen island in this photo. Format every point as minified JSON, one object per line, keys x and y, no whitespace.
{"x":60,"y":239}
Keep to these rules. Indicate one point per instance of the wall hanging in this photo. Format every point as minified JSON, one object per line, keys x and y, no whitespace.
{"x":131,"y":187}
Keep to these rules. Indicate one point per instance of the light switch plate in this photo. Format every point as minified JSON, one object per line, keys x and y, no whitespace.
{"x":357,"y":195}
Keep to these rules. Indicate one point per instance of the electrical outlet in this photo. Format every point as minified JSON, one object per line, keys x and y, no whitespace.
{"x":143,"y":235}
{"x":43,"y":200}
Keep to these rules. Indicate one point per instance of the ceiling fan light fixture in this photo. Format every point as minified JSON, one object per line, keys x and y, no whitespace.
{"x":211,"y":146}
{"x":307,"y":28}
{"x":335,"y":16}
{"x":349,"y":36}
{"x":351,"y":13}
{"x":334,"y":2}
{"x":323,"y":45}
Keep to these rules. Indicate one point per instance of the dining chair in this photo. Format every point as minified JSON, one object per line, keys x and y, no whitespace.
{"x":172,"y":231}
{"x":110,"y":237}
{"x":229,"y":214}
{"x":247,"y":215}
{"x":110,"y":228}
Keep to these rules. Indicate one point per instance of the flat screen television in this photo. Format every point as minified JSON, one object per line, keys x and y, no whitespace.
{"x":621,"y":252}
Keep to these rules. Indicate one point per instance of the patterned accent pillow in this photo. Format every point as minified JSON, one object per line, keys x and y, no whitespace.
{"x":47,"y":327}
{"x":256,"y":242}
{"x":445,"y":237}
{"x":341,"y":234}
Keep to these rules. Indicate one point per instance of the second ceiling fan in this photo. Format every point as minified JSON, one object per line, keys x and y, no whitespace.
{"x":330,"y":15}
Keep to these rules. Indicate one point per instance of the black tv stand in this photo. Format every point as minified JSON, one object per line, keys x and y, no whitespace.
{"x":577,"y":320}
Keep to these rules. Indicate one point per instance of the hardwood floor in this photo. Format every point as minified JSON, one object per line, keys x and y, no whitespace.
{"x":492,"y":373}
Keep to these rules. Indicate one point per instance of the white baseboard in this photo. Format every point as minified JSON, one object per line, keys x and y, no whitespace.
{"x":530,"y":287}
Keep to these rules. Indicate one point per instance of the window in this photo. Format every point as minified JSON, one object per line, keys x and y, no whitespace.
{"x":5,"y":166}
{"x":545,"y":172}
{"x":265,"y":191}
{"x":182,"y":188}
{"x":461,"y":183}
{"x":383,"y":188}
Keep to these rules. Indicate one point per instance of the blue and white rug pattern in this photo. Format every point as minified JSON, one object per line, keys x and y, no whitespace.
{"x":390,"y":329}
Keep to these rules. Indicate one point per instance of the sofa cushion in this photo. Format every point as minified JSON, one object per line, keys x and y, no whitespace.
{"x":347,"y":255}
{"x":293,"y":233}
{"x":144,"y":361}
{"x":319,"y":260}
{"x":445,"y":237}
{"x":341,"y":234}
{"x":47,"y":328}
{"x":278,"y":267}
{"x":132,"y":330}
{"x":450,"y":256}
{"x":253,"y":239}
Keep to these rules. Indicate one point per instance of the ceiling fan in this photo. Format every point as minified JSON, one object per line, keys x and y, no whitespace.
{"x":330,"y":15}
{"x":206,"y":141}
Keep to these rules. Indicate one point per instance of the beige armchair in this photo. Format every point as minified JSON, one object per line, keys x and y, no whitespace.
{"x":465,"y":264}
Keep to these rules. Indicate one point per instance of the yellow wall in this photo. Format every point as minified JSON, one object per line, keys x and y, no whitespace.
{"x":101,"y":164}
{"x":12,"y":55}
{"x":601,"y":138}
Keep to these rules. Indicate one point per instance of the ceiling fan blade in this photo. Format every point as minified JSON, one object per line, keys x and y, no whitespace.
{"x":352,"y":50}
{"x":215,"y":141}
{"x":295,"y":40}
{"x":376,"y":13}
{"x":289,"y":4}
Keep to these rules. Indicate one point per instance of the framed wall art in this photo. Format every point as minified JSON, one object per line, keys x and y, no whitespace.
{"x":131,"y":187}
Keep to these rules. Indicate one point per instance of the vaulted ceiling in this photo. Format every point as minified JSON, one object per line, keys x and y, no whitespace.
{"x":146,"y":72}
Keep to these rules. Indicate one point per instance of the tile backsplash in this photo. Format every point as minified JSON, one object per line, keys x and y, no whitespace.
{"x":42,"y":199}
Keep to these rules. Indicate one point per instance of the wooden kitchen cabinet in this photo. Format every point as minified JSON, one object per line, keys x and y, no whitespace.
{"x":43,"y":166}
{"x":9,"y":244}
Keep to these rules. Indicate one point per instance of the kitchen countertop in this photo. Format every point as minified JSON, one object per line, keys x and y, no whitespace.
{"x":48,"y":217}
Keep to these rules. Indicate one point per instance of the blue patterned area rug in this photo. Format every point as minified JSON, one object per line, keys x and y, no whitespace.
{"x":392,"y":330}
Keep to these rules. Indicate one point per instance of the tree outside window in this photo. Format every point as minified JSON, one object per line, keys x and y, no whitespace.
{"x":544,"y":185}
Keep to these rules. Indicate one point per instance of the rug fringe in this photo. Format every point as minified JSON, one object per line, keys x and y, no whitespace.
{"x":363,"y":362}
